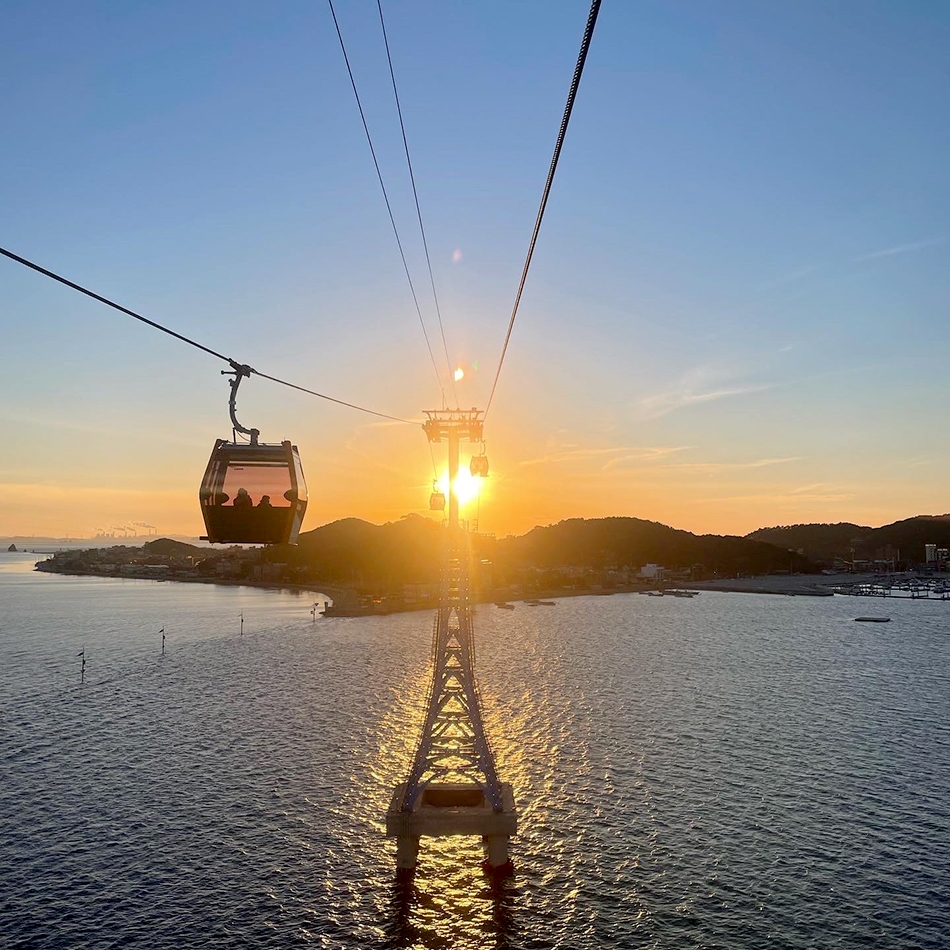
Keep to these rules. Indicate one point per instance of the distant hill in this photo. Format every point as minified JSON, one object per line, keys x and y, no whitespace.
{"x":632,"y":542}
{"x":824,"y":542}
{"x":355,"y":552}
{"x":166,"y":547}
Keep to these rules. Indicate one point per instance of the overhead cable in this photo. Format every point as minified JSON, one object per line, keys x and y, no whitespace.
{"x":575,"y":82}
{"x":179,"y":336}
{"x":415,"y":195}
{"x":339,"y":402}
{"x":392,"y":220}
{"x":111,"y":303}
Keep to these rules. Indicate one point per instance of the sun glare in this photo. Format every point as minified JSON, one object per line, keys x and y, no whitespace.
{"x":459,"y":373}
{"x":467,"y":486}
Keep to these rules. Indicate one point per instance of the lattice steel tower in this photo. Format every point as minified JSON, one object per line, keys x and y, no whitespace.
{"x":453,"y":786}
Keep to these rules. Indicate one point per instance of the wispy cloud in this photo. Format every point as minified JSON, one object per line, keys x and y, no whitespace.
{"x":919,"y":460}
{"x":36,"y":421}
{"x":816,"y":488}
{"x":820,"y":492}
{"x":649,"y":461}
{"x":56,"y":491}
{"x":663,"y":403}
{"x":900,"y":249}
{"x":787,"y":501}
{"x":614,"y":456}
{"x":568,"y":453}
{"x":717,"y":468}
{"x":789,"y":278}
{"x":644,"y":453}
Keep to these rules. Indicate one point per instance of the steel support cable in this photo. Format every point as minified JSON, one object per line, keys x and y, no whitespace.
{"x":339,"y":402}
{"x":111,"y":303}
{"x":392,"y":219}
{"x":235,"y":364}
{"x":415,"y":195}
{"x":575,"y":82}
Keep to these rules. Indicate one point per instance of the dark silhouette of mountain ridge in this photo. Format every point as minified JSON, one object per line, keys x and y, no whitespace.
{"x":632,"y":542}
{"x":407,"y":551}
{"x":168,"y":547}
{"x":353,"y":551}
{"x":825,"y":542}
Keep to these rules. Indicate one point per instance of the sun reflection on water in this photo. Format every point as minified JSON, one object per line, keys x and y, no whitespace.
{"x":449,"y":902}
{"x":542,"y":725}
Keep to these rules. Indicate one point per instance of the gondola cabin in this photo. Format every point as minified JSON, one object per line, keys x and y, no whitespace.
{"x":253,"y":493}
{"x":479,"y":466}
{"x":437,"y":501}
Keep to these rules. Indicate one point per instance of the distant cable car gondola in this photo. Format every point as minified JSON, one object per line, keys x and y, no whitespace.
{"x":479,"y":465}
{"x":437,"y":498}
{"x":252,"y":493}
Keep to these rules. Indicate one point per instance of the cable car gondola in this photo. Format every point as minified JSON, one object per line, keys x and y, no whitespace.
{"x":437,"y":498}
{"x":478,"y":466}
{"x":252,"y":492}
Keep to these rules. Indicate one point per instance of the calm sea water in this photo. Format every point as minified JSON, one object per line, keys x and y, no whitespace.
{"x":732,"y":771}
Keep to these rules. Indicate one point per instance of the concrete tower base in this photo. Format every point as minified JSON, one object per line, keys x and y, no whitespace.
{"x":444,"y":810}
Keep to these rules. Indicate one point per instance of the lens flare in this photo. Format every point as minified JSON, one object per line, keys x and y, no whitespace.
{"x":467,"y":486}
{"x":459,"y":373}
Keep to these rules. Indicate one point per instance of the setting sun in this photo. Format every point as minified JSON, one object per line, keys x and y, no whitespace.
{"x":467,"y":486}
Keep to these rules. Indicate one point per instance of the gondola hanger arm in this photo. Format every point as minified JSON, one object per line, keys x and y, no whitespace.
{"x":238,"y":371}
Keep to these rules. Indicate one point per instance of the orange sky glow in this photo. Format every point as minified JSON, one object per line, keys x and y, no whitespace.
{"x":735,"y":316}
{"x":382,"y":472}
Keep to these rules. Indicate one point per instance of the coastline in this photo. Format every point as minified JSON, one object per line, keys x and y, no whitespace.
{"x":328,"y":590}
{"x":346,"y":603}
{"x":792,"y":585}
{"x":786,"y":585}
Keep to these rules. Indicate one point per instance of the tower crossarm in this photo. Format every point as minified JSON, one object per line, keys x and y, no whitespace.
{"x":467,"y":424}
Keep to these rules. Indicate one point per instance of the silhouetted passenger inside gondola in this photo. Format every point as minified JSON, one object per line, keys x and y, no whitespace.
{"x":271,"y":470}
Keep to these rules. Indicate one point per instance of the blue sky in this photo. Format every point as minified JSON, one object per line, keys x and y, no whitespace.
{"x":736,"y":315}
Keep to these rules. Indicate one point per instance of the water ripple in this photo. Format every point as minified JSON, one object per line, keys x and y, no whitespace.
{"x":729,"y":771}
